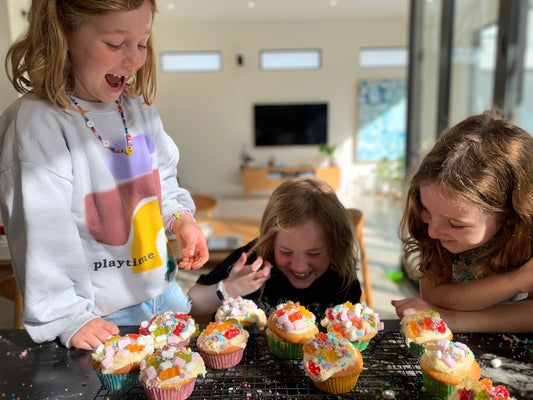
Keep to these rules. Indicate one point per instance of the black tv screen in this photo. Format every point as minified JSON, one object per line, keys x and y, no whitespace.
{"x":290,"y":124}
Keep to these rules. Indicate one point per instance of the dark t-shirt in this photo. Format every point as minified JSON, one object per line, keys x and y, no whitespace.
{"x":324,"y":292}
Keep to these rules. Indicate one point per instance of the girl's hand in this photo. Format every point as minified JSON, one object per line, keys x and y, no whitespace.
{"x":247,"y":278}
{"x":410,"y":306}
{"x":93,"y":333}
{"x":191,"y":241}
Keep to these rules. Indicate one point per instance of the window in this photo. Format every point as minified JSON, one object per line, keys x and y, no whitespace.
{"x":187,"y":61}
{"x":290,"y":59}
{"x":379,"y":57}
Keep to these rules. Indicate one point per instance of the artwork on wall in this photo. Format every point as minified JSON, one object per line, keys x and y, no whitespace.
{"x":382,"y":106}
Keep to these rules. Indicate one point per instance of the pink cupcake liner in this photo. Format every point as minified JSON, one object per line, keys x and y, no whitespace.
{"x":179,"y":393}
{"x":222,"y":361}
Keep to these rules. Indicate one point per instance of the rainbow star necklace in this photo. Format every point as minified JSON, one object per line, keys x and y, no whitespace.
{"x":90,"y":124}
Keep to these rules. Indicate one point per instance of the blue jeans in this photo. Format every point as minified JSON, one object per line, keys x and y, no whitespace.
{"x":173,"y":299}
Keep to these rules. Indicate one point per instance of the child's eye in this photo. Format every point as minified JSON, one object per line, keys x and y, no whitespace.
{"x":313,"y":254}
{"x":143,"y":46}
{"x":285,"y":252}
{"x":454,"y":226}
{"x":113,"y":46}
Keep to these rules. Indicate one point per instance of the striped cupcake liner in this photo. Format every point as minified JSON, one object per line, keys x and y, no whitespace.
{"x":179,"y":393}
{"x":222,"y":361}
{"x":120,"y":382}
{"x":438,"y":389}
{"x":285,"y":350}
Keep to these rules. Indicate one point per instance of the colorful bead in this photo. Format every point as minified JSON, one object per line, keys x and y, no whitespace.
{"x":90,"y":124}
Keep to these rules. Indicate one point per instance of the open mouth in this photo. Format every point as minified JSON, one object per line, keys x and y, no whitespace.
{"x":115,"y":81}
{"x":300,"y":277}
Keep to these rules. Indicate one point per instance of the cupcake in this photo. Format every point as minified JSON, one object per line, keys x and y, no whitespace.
{"x":222,"y":343}
{"x":170,"y":373}
{"x":243,"y":310}
{"x":423,"y":327}
{"x":288,"y":328}
{"x":332,"y":363}
{"x":469,"y":389}
{"x":169,"y":328}
{"x":445,"y":364}
{"x":116,"y":362}
{"x":356,"y":323}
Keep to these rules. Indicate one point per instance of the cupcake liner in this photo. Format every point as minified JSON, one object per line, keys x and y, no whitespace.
{"x":120,"y":382}
{"x":222,"y":361}
{"x":179,"y":393}
{"x":416,"y":349}
{"x":438,"y":389}
{"x":338,"y":385}
{"x":361,"y":345}
{"x":285,"y":350}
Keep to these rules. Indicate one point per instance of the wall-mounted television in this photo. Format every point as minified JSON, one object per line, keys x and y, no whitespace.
{"x":290,"y":124}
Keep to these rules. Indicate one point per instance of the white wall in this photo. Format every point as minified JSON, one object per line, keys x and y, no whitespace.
{"x":209,"y":115}
{"x":7,"y":93}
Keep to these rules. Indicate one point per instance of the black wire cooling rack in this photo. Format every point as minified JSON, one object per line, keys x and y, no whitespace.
{"x":389,"y":373}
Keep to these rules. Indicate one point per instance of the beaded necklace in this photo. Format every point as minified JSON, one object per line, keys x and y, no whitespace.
{"x":90,"y":124}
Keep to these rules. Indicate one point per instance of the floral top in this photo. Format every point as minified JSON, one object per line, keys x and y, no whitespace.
{"x":463,"y":265}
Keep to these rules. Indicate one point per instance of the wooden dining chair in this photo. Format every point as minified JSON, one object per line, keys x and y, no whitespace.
{"x":10,"y":290}
{"x":358,"y":218}
{"x":204,"y":204}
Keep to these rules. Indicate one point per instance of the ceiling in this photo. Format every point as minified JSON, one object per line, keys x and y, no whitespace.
{"x":227,"y":10}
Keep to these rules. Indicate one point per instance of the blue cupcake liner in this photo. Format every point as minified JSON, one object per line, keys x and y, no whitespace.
{"x":120,"y":382}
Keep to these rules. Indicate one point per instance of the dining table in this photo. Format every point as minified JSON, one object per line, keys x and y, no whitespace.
{"x":50,"y":371}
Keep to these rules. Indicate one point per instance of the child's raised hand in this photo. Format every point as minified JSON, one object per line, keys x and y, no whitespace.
{"x":247,"y":278}
{"x":192,"y":243}
{"x":93,"y":333}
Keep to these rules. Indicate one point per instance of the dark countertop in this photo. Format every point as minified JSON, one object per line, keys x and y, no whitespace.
{"x":51,"y":371}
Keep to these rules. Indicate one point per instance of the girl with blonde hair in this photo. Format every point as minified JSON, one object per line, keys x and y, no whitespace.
{"x":88,"y":175}
{"x":305,"y":252}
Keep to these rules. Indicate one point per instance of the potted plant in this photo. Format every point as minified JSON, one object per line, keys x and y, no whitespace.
{"x":329,"y":152}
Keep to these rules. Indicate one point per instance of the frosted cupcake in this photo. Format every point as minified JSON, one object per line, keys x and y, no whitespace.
{"x":469,"y":389}
{"x":445,"y":364}
{"x":170,"y":373}
{"x":356,"y":323}
{"x":170,"y":328}
{"x":222,"y":343}
{"x":116,"y":361}
{"x":421,"y":328}
{"x":288,"y":328}
{"x":243,"y":310}
{"x":332,"y":363}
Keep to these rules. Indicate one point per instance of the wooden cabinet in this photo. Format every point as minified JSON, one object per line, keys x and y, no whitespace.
{"x":271,"y":178}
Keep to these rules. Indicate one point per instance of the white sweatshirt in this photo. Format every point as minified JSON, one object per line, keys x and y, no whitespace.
{"x":84,"y":224}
